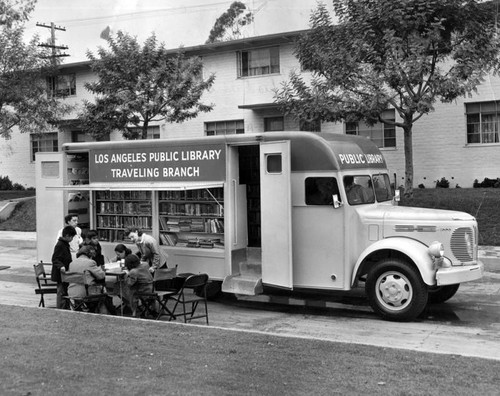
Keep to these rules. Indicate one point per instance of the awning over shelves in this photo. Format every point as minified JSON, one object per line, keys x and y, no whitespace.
{"x":258,"y":106}
{"x":163,"y":186}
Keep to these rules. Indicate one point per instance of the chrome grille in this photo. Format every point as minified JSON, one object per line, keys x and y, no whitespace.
{"x":463,"y":244}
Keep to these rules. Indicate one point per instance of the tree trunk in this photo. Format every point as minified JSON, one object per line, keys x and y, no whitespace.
{"x":144,"y":135}
{"x":408,"y":144}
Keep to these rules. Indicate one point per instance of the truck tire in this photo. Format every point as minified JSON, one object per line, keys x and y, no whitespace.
{"x":440,"y":294}
{"x":395,"y":290}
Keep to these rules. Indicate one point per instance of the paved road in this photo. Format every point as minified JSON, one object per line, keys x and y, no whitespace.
{"x":468,"y":325}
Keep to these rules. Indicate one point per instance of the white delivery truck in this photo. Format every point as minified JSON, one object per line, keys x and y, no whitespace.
{"x":290,"y":210}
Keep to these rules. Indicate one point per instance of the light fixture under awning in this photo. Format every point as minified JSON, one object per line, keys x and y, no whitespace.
{"x":140,"y":186}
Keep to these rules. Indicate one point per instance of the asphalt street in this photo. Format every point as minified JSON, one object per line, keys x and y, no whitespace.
{"x":468,"y":325}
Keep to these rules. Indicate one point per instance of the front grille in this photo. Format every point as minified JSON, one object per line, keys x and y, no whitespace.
{"x":463,"y":244}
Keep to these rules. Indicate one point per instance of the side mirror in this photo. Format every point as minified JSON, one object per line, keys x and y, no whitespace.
{"x":336,"y":202}
{"x":397,"y":195}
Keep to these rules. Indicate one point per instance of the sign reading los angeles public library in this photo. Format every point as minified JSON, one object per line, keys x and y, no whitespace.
{"x":168,"y":163}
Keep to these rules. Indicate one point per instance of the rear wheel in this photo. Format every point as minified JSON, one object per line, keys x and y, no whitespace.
{"x":440,"y":294}
{"x":395,"y":290}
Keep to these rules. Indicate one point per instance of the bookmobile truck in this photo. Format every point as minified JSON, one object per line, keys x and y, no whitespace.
{"x":261,"y":212}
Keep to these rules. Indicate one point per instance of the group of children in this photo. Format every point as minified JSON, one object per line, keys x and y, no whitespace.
{"x":82,"y":253}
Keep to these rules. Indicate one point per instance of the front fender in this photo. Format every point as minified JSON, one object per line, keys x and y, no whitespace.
{"x":415,"y":250}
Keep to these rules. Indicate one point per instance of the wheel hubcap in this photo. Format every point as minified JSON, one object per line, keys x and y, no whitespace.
{"x":394,"y":290}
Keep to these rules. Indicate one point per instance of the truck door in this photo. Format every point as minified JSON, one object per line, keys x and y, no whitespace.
{"x":276,"y":219}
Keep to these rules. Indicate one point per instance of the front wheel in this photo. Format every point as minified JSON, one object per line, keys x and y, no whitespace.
{"x":395,"y":290}
{"x":440,"y":294}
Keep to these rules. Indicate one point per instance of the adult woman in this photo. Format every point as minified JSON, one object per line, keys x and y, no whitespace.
{"x":94,"y":276}
{"x":122,"y":251}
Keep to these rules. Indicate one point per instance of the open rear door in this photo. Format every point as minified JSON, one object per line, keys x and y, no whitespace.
{"x":276,"y":214}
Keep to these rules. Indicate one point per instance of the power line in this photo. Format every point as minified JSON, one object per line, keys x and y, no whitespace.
{"x":135,"y":14}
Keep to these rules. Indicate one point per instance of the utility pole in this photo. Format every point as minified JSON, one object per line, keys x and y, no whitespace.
{"x":52,"y":44}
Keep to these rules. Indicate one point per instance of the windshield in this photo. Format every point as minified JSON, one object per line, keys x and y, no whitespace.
{"x":363,"y":189}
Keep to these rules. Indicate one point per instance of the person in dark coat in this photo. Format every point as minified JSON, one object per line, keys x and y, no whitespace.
{"x":137,"y":280}
{"x":61,"y":257}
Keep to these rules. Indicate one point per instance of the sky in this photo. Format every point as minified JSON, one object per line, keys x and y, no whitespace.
{"x":175,"y":22}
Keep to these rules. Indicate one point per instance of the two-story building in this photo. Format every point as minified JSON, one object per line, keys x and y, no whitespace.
{"x":458,"y":141}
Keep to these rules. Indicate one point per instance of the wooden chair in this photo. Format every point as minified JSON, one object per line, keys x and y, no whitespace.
{"x":89,"y":302}
{"x":192,"y":292}
{"x":44,"y":283}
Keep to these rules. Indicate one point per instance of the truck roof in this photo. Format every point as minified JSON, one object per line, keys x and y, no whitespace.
{"x":310,"y":151}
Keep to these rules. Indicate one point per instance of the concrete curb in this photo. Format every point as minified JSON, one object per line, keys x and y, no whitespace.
{"x":6,"y":209}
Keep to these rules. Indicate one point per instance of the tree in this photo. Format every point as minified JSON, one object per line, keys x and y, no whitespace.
{"x":139,"y":85}
{"x":385,"y":54}
{"x":228,"y":25}
{"x":24,"y":101}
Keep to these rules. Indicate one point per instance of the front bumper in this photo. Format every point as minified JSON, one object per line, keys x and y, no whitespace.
{"x":454,"y":275}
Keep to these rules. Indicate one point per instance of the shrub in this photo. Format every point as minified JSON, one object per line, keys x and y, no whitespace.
{"x":487,"y":183}
{"x":443,"y":183}
{"x":5,"y":183}
{"x":18,"y":187}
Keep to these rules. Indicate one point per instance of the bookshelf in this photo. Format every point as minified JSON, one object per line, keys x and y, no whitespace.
{"x":192,"y":218}
{"x":77,"y":174}
{"x":118,"y":210}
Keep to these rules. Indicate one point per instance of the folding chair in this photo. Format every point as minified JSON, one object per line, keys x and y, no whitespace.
{"x":193,"y":291}
{"x":163,"y":289}
{"x":88,"y":303}
{"x":44,"y":283}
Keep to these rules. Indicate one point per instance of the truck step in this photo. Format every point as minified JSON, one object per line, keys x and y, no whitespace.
{"x":239,"y":284}
{"x":251,"y":269}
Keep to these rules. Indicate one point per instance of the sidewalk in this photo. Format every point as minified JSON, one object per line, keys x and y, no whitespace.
{"x":18,"y":239}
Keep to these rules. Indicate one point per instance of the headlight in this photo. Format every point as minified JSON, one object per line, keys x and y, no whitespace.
{"x":436,"y":249}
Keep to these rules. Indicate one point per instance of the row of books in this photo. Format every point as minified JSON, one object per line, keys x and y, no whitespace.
{"x":124,"y":195}
{"x":193,"y":195}
{"x":168,"y":239}
{"x":124,"y":207}
{"x":144,"y":222}
{"x":180,"y":224}
{"x":111,"y":235}
{"x":191,"y":209}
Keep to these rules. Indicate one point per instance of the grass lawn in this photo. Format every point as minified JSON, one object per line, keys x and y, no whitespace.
{"x":53,"y":352}
{"x":24,"y":216}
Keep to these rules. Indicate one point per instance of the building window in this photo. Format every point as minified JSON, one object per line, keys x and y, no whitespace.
{"x":78,"y":136}
{"x":272,"y":124}
{"x":43,"y":142}
{"x":153,"y":132}
{"x":482,"y":122}
{"x":258,"y":62}
{"x":224,"y":127}
{"x":310,"y":126}
{"x":63,"y":85}
{"x":383,"y":135}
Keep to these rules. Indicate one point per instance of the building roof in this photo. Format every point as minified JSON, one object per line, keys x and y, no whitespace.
{"x":207,"y":49}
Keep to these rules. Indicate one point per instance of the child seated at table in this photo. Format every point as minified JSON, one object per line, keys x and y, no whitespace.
{"x":137,"y":280}
{"x":91,"y":238}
